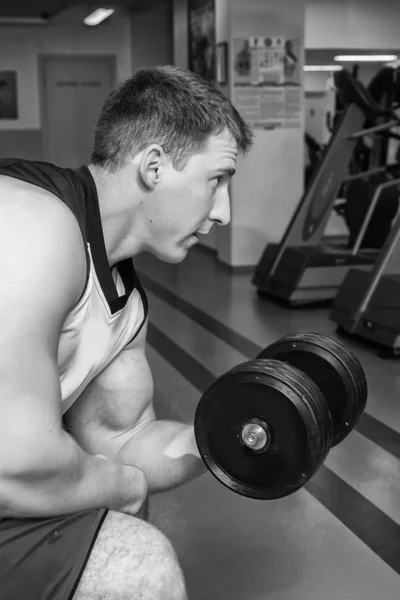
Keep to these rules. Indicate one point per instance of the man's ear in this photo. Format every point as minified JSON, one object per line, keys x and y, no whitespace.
{"x":152,"y":162}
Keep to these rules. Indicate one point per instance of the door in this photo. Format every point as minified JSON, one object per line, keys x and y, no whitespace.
{"x":74,"y":90}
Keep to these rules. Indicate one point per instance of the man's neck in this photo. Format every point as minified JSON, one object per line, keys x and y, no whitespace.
{"x":117,"y":217}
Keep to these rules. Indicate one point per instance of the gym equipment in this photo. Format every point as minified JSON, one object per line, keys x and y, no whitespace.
{"x":314,"y":151}
{"x":368,"y":304}
{"x":385,"y":89}
{"x":333,"y":368}
{"x":387,"y":78}
{"x":265,"y":427}
{"x":358,"y":197}
{"x":379,"y":152}
{"x":302,"y":269}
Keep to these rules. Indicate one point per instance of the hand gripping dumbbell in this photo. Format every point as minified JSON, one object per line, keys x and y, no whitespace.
{"x":264,"y":428}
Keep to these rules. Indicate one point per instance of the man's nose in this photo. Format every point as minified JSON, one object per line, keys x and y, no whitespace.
{"x":221,"y":211}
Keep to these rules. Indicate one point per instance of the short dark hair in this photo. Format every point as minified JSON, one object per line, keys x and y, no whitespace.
{"x":165,"y":105}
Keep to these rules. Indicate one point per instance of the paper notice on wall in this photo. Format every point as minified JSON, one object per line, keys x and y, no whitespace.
{"x":248,"y":103}
{"x":269,"y":108}
{"x":293,"y":107}
{"x":267,"y":83}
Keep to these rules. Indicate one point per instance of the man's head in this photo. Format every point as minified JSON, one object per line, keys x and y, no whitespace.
{"x":176,"y":138}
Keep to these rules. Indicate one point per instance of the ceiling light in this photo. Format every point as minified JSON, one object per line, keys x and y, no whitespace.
{"x":98,"y":16}
{"x":322,"y":68}
{"x":365,"y":58}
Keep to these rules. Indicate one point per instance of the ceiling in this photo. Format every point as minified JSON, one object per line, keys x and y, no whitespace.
{"x":49,"y":8}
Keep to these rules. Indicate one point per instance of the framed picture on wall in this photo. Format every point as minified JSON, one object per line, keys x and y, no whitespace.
{"x":202,"y":50}
{"x":8,"y":95}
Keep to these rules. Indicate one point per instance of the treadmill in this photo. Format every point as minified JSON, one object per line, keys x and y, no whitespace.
{"x":368,"y":304}
{"x":302,"y":269}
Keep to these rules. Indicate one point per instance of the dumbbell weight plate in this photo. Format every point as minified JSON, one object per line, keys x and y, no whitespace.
{"x":333,"y":368}
{"x":299,"y":431}
{"x":297,"y":378}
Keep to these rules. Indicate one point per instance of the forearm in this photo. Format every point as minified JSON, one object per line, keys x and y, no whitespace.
{"x":64,"y":479}
{"x":166,"y":452}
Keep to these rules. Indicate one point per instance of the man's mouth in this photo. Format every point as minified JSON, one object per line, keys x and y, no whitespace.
{"x":197,"y":233}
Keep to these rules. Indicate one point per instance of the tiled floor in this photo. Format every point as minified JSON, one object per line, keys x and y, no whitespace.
{"x":336,"y":539}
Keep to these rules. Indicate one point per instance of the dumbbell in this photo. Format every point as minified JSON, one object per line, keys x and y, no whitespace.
{"x":264,"y":428}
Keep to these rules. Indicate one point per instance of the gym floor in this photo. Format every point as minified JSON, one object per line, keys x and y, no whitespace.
{"x":336,"y":539}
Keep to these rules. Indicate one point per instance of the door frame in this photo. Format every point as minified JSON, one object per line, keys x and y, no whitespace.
{"x":42,"y":58}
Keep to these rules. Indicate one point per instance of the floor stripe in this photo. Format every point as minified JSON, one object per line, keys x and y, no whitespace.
{"x":200,"y":377}
{"x":377,"y":432}
{"x":380,"y":434}
{"x":378,"y":531}
{"x":226,"y":334}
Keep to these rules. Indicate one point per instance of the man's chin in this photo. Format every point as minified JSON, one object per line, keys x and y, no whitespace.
{"x":172,"y":258}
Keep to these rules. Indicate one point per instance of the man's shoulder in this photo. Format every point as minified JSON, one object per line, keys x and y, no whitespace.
{"x":43,"y":178}
{"x":18,"y":189}
{"x":30,"y":215}
{"x":17,"y":195}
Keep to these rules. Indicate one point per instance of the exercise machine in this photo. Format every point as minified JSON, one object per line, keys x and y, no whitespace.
{"x":379,"y":151}
{"x":368,"y":304}
{"x":302,"y":269}
{"x":360,"y":193}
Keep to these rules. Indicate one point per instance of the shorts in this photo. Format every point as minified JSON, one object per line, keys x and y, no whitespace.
{"x":44,"y":559}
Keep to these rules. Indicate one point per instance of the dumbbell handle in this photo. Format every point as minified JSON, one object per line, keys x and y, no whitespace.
{"x":256,"y":435}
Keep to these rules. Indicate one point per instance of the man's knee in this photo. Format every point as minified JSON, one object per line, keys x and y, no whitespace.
{"x":131,"y":560}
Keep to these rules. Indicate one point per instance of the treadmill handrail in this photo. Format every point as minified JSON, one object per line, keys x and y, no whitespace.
{"x":362,"y":174}
{"x":370,"y":211}
{"x":382,"y":127}
{"x":375,"y":171}
{"x":383,"y":258}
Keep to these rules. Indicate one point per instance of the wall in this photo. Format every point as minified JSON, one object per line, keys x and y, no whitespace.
{"x":269,"y":182}
{"x":352,"y":24}
{"x":20,"y":48}
{"x":151,"y":35}
{"x":180,"y":33}
{"x":262,"y":193}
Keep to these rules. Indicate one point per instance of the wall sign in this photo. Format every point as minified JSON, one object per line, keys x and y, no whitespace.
{"x":267,"y":81}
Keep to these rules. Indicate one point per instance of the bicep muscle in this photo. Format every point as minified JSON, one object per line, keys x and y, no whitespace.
{"x":116,"y":404}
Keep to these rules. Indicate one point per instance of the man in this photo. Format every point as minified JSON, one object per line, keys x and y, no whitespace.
{"x":80,"y":445}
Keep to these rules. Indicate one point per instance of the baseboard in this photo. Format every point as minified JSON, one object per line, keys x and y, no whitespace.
{"x":234,"y":269}
{"x":223,"y":265}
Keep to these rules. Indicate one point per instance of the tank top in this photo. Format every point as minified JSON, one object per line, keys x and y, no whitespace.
{"x":113,"y":307}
